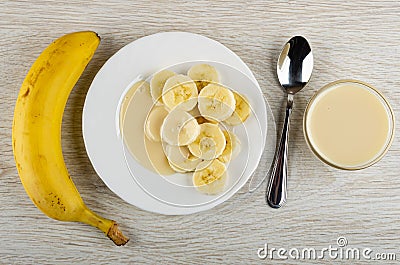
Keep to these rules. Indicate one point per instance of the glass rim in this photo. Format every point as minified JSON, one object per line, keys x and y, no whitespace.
{"x":391,"y":119}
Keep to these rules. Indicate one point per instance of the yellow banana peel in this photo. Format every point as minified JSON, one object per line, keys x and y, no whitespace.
{"x":36,"y":132}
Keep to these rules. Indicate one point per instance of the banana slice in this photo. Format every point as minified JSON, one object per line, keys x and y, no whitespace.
{"x":179,"y":128}
{"x":176,"y":169}
{"x":242,"y":110}
{"x":232,"y":148}
{"x":210,"y":178}
{"x":203,"y":74}
{"x":181,"y":158}
{"x":180,"y":91}
{"x":210,"y":143}
{"x":157,"y":83}
{"x":216,"y":102}
{"x":153,"y":123}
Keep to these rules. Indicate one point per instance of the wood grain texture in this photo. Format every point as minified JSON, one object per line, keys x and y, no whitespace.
{"x":351,"y":39}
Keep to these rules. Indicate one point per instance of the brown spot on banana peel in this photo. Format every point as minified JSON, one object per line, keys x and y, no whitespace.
{"x":33,"y":79}
{"x":35,"y":75}
{"x":26,"y":92}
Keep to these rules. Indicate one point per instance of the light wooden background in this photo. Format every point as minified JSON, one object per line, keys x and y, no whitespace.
{"x":350,"y":39}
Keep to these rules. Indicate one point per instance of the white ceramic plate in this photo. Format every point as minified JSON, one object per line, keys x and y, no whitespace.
{"x":144,"y":57}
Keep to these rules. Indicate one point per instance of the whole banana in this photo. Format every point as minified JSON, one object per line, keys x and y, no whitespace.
{"x":36,"y":132}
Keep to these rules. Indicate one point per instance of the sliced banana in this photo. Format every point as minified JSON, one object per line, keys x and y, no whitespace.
{"x":179,"y":128}
{"x":232,"y":147}
{"x":157,"y":83}
{"x":180,"y":91}
{"x":210,"y":178}
{"x":153,"y":123}
{"x":176,"y":169}
{"x":242,"y":110}
{"x":216,"y":102}
{"x":181,"y":158}
{"x":210,"y":142}
{"x":203,"y":74}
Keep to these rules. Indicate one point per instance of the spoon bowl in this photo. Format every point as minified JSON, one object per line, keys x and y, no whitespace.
{"x":295,"y":65}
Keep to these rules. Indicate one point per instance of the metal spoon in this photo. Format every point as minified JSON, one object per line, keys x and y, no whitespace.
{"x":294,"y":69}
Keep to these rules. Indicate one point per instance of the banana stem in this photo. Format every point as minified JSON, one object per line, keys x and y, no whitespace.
{"x":109,"y":227}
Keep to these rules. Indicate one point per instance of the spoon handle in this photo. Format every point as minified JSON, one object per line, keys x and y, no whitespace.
{"x":277,"y":190}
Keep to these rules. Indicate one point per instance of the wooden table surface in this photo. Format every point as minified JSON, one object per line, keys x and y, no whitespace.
{"x":350,"y":39}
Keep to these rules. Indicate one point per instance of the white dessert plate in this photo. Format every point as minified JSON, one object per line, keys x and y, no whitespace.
{"x":103,"y":141}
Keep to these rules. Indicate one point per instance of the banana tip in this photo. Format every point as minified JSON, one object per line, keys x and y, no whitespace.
{"x":116,"y":235}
